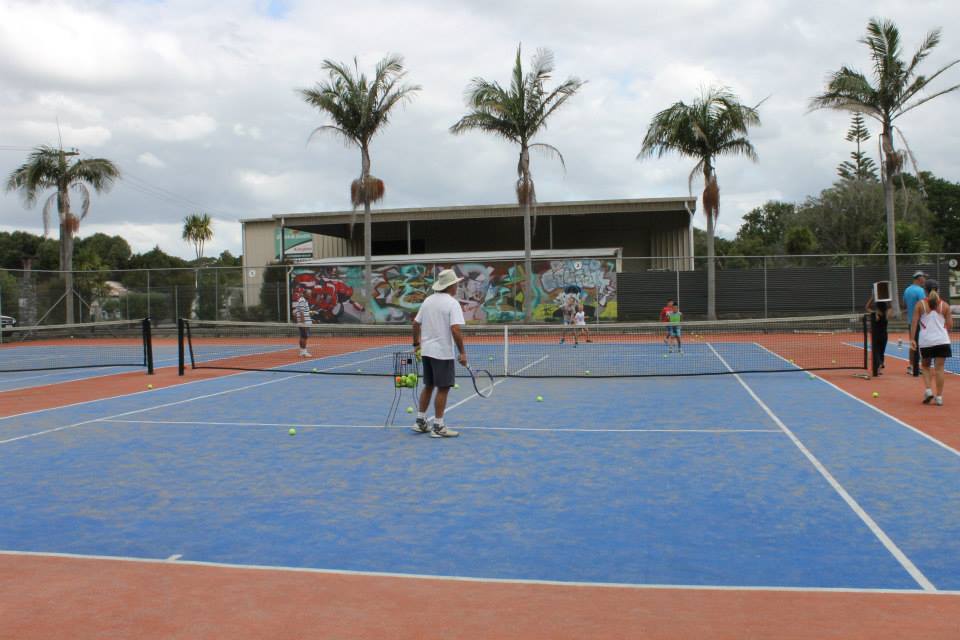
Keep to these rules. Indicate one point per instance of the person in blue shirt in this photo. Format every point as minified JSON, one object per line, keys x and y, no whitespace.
{"x":911,"y":296}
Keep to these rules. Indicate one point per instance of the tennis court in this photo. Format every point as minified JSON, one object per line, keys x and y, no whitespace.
{"x":754,"y":480}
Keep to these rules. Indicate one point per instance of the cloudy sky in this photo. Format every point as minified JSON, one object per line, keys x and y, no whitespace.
{"x":195,"y":100}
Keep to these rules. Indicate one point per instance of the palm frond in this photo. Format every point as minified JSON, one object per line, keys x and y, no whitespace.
{"x":337,"y":131}
{"x":924,"y":100}
{"x":931,"y":40}
{"x":81,"y":189}
{"x":47,"y":210}
{"x":550,"y":151}
{"x":99,"y":173}
{"x":920,"y":83}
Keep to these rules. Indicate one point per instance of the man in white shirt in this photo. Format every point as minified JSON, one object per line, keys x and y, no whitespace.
{"x":435,"y":331}
{"x":301,"y":315}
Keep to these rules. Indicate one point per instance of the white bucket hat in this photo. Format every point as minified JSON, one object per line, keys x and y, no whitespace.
{"x":446,"y":279}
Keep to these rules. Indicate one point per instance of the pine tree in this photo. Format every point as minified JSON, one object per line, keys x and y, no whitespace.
{"x":860,"y":166}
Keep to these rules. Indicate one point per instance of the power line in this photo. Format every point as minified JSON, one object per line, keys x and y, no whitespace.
{"x":165,"y":195}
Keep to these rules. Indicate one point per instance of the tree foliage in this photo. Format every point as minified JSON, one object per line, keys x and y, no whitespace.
{"x":860,"y":166}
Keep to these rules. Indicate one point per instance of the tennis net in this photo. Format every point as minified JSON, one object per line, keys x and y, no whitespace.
{"x":122,"y":343}
{"x":606,"y":350}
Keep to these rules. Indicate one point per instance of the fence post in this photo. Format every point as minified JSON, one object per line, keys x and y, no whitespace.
{"x":853,"y":284}
{"x":216,"y":293}
{"x":176,"y":301}
{"x":765,"y":312}
{"x":148,"y":293}
{"x":1,"y":313}
{"x":277,"y":288}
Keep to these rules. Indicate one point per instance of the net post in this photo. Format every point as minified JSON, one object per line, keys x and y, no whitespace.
{"x":866,"y":355}
{"x":148,"y":346}
{"x":506,"y":351}
{"x":180,"y":361}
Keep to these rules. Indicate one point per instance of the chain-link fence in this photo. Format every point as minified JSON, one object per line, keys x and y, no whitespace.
{"x":610,"y":288}
{"x":775,"y":286}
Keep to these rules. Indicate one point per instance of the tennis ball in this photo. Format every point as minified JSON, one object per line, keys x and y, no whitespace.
{"x":409,"y":409}
{"x":490,"y":358}
{"x":149,"y":386}
{"x":539,"y":398}
{"x":834,"y":361}
{"x":314,"y":369}
{"x":665,"y":356}
{"x":456,"y":385}
{"x":399,"y":379}
{"x":811,"y":376}
{"x":292,"y":432}
{"x":876,"y":394}
{"x":587,"y":372}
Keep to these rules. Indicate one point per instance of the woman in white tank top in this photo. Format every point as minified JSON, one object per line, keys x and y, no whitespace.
{"x":932,"y":317}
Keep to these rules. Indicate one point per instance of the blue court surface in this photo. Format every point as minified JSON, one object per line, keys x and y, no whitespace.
{"x":93,"y":357}
{"x":768,"y":480}
{"x":901,"y":351}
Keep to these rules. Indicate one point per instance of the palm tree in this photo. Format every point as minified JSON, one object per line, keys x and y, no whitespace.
{"x":517,"y":114}
{"x":896,"y":89}
{"x":198,"y":230}
{"x":714,"y":124}
{"x":359,"y":108}
{"x":50,"y":168}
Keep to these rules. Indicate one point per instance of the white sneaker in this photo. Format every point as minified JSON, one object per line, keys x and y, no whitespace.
{"x":304,"y":354}
{"x":927,"y":396}
{"x":443,"y":432}
{"x":938,"y":401}
{"x":421,"y":426}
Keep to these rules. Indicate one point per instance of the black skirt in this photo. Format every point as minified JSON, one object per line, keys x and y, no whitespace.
{"x":936,"y":351}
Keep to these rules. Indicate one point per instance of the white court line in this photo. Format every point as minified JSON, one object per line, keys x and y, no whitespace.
{"x":176,"y":386}
{"x":880,"y":534}
{"x":174,"y":403}
{"x":175,"y":557}
{"x":500,"y":381}
{"x":447,"y":578}
{"x":301,"y":425}
{"x":159,"y":406}
{"x":907,"y":359}
{"x":121,"y":370}
{"x":875,"y":408}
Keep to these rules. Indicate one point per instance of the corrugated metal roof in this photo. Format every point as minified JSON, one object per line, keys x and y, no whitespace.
{"x":578,"y":207}
{"x":479,"y":256}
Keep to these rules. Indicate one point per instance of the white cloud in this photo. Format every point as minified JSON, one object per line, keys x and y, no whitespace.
{"x":243,"y":130}
{"x":73,"y":136}
{"x":188,"y":127}
{"x":151,"y":160}
{"x":126,"y":77}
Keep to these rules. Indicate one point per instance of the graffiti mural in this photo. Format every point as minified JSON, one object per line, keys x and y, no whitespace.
{"x":491,"y":292}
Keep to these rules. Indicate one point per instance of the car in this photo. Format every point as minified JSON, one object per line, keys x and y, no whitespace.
{"x":7,"y":321}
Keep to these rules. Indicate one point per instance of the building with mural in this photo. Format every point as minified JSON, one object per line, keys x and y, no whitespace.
{"x":491,"y":290}
{"x":483,"y":243}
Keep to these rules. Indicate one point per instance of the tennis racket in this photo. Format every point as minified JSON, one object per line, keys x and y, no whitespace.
{"x":482,"y":382}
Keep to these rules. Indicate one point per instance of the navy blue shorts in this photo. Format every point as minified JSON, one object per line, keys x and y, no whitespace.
{"x":439,"y":373}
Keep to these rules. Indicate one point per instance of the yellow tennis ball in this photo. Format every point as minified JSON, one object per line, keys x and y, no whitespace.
{"x":292,"y":432}
{"x":539,"y":398}
{"x":149,"y":386}
{"x":876,"y":394}
{"x":587,"y":372}
{"x":456,"y":385}
{"x":409,"y":409}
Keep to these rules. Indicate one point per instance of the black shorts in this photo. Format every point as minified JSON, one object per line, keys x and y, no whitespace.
{"x":439,"y":373}
{"x":936,"y":351}
{"x":304,"y":332}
